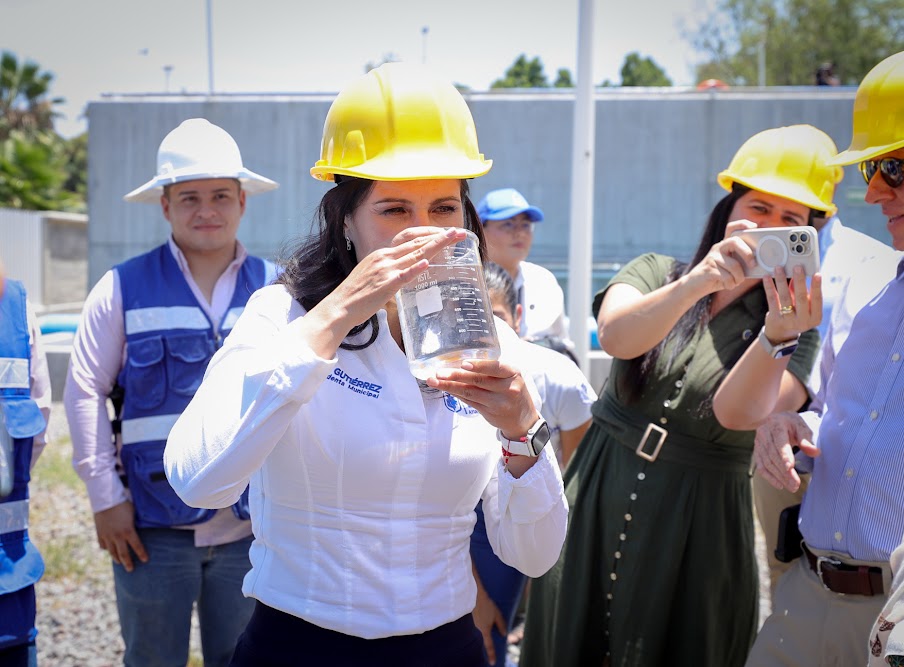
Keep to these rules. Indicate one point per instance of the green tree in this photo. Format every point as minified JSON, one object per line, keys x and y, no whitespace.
{"x":639,"y":71}
{"x":796,"y":36}
{"x":523,"y":73}
{"x":24,"y":101}
{"x":33,"y":174}
{"x":75,"y":155}
{"x":38,"y":169}
{"x":563,"y":79}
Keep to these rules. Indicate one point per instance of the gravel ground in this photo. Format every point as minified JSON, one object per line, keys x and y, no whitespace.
{"x":77,"y":619}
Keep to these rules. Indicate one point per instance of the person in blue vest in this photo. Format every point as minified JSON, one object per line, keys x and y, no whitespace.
{"x":24,"y":410}
{"x":147,"y":331}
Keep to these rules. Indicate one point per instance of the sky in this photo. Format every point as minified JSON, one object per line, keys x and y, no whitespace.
{"x":97,"y":47}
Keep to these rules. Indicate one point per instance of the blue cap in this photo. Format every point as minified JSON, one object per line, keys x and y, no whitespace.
{"x":504,"y":204}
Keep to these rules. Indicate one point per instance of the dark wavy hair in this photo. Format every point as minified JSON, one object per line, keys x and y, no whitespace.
{"x":320,"y":262}
{"x":498,"y":281}
{"x":697,"y":317}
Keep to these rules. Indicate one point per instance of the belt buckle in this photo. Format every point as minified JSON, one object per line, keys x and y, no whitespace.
{"x":819,"y":562}
{"x":643,"y":441}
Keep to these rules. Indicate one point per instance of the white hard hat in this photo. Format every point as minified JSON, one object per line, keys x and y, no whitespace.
{"x":195,"y":150}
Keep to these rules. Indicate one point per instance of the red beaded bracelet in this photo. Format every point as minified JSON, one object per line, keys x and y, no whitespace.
{"x":506,"y":455}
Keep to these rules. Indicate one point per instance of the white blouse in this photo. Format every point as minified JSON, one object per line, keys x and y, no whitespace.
{"x":363,"y":486}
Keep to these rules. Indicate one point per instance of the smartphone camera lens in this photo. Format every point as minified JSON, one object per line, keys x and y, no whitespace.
{"x":799,"y":249}
{"x":793,"y":238}
{"x":803,"y":237}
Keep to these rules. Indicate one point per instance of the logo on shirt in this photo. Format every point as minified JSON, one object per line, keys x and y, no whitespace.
{"x":454,"y":405}
{"x":357,"y":385}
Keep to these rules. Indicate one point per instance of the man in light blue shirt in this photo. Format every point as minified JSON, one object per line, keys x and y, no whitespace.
{"x":854,"y":267}
{"x":852,"y":515}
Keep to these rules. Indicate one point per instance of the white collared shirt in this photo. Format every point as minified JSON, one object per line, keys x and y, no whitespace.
{"x":363,"y":487}
{"x":542,"y":301}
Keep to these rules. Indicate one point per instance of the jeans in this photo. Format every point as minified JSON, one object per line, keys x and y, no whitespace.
{"x":503,"y":584}
{"x":155,"y":600}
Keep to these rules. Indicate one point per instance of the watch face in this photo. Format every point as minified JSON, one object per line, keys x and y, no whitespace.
{"x":540,"y":438}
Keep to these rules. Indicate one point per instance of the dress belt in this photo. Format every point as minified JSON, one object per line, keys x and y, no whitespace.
{"x":633,"y":429}
{"x":840,"y":577}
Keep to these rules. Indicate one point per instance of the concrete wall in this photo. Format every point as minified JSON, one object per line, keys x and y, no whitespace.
{"x":48,"y":252}
{"x":657,"y":156}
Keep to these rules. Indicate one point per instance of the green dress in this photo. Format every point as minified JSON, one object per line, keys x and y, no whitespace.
{"x":658,"y":565}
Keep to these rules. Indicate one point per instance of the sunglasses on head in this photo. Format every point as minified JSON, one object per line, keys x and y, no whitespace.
{"x":891,"y":168}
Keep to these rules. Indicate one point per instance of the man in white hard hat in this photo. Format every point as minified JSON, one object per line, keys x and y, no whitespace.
{"x":147,"y":331}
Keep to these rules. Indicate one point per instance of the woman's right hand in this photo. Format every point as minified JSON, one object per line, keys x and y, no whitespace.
{"x":379,"y":275}
{"x":723,"y":266}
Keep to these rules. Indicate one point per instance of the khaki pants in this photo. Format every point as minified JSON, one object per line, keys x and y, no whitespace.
{"x":811,"y":626}
{"x":769,"y":503}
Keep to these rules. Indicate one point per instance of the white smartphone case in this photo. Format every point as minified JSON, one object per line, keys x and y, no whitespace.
{"x":782,"y":246}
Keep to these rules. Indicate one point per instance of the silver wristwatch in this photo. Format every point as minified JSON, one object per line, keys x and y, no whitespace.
{"x":531,"y":444}
{"x":778,"y":350}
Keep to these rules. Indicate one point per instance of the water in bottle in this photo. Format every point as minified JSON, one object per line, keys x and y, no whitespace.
{"x":445,"y":314}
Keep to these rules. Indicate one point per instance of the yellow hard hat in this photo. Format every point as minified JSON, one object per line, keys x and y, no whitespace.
{"x":791,"y":162}
{"x":878,"y":113}
{"x":396,"y":123}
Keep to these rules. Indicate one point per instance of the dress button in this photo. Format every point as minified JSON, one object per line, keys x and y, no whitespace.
{"x":849,"y":473}
{"x":896,"y":357}
{"x":747,"y":334}
{"x":679,"y":383}
{"x":666,"y":404}
{"x":613,"y":576}
{"x":618,"y":554}
{"x":663,"y":420}
{"x":838,"y":536}
{"x":874,"y":415}
{"x":627,"y":517}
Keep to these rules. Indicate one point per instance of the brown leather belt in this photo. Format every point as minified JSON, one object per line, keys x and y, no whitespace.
{"x":839,"y":577}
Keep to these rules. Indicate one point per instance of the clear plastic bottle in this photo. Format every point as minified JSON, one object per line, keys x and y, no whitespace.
{"x":445,"y":314}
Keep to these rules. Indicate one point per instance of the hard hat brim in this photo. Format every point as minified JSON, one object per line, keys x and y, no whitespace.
{"x":150,"y":192}
{"x":855,"y":156}
{"x":780,"y":188}
{"x":413,"y":167}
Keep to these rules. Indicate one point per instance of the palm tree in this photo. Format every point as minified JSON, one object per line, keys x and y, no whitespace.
{"x":24,"y":104}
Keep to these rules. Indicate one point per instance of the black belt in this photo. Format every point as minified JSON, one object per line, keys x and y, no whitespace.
{"x":840,"y":577}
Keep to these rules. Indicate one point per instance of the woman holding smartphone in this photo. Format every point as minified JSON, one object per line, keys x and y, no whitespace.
{"x":658,"y":565}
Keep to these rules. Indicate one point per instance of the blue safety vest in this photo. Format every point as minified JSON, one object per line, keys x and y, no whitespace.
{"x":20,"y":420}
{"x":169,"y":342}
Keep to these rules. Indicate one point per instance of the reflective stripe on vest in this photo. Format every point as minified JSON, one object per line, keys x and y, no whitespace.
{"x":147,"y":429}
{"x":140,"y":320}
{"x":14,"y":373}
{"x":13,"y":516}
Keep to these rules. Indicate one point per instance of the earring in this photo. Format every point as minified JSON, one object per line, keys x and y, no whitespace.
{"x":348,"y":243}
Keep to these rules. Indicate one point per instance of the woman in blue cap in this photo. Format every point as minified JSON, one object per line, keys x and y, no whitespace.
{"x":508,"y":224}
